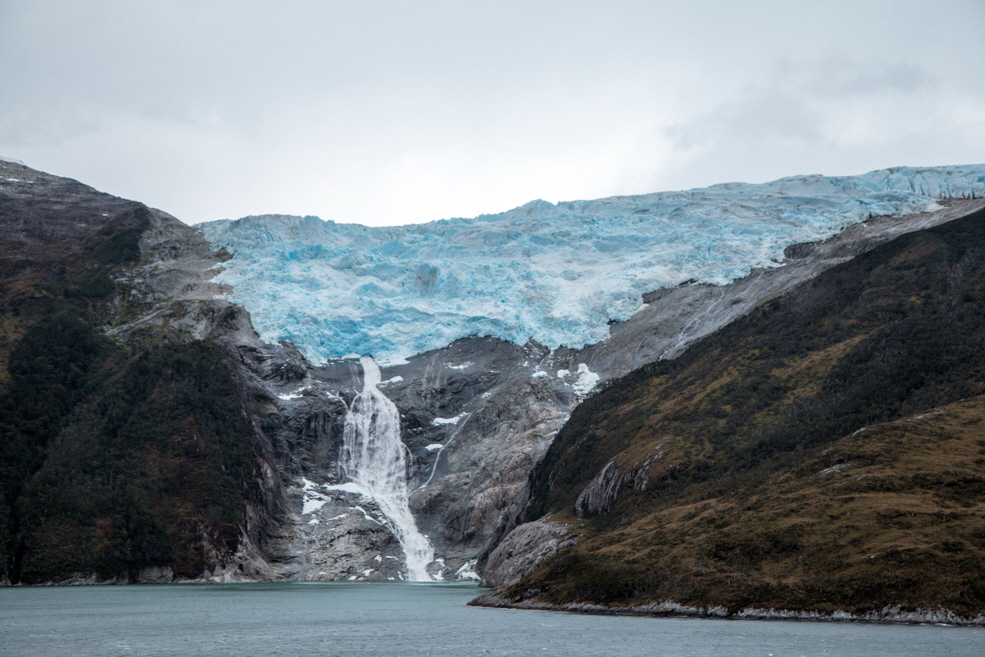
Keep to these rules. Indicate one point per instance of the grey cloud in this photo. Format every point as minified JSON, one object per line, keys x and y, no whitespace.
{"x":786,"y":104}
{"x":405,"y":111}
{"x":840,"y":76}
{"x":49,"y":128}
{"x":758,"y":115}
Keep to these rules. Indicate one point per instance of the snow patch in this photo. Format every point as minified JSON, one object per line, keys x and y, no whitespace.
{"x":587,"y":380}
{"x":297,"y":394}
{"x":467,"y":571}
{"x":439,"y":421}
{"x":313,"y":504}
{"x":315,"y":496}
{"x":366,"y":515}
{"x":315,"y":520}
{"x":348,"y":487}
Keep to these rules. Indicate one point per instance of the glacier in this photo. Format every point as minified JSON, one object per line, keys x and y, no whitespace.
{"x":557,"y":274}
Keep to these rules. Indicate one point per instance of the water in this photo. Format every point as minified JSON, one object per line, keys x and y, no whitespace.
{"x":373,"y":457}
{"x":365,"y":619}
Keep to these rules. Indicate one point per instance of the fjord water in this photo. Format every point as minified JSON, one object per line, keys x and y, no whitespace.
{"x":368,"y":619}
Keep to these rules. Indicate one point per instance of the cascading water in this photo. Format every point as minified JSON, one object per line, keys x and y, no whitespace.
{"x":373,"y":458}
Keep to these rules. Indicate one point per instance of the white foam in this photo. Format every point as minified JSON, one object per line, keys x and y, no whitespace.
{"x":373,"y":457}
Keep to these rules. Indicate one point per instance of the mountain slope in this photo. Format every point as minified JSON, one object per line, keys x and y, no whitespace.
{"x":117,"y":461}
{"x":149,"y":433}
{"x":814,"y":455}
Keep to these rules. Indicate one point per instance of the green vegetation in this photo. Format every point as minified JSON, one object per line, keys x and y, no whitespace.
{"x":56,"y":277}
{"x":52,"y":370}
{"x":730,"y":438}
{"x":115,"y":461}
{"x":112,"y":458}
{"x":152,"y":471}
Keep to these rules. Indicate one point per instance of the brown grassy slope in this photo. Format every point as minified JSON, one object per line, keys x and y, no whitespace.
{"x":892,"y":514}
{"x":704,"y":471}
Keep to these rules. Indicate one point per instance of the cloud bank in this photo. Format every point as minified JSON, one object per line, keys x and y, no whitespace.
{"x":391,"y":113}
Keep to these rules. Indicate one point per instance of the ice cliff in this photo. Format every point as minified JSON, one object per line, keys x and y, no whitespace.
{"x":554,"y":273}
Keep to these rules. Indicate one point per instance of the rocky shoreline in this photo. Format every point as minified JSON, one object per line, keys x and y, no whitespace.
{"x":891,"y":615}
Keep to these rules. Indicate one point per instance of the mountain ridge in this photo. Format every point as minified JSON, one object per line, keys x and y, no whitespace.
{"x":476,"y":415}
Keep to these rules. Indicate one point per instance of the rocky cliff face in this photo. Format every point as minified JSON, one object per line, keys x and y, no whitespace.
{"x":476,"y":415}
{"x":130,"y":457}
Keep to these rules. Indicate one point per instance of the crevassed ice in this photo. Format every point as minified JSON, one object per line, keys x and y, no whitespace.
{"x":555,"y":273}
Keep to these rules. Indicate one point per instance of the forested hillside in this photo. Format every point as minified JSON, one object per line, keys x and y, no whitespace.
{"x":113,"y":458}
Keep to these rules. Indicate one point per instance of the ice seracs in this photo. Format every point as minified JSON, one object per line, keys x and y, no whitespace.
{"x":557,"y":274}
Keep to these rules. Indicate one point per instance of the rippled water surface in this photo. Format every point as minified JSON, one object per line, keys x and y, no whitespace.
{"x":395,"y":620}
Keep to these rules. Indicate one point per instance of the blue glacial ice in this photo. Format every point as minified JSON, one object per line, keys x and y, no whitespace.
{"x":557,"y":274}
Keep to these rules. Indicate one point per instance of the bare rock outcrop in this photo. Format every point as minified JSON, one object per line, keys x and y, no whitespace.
{"x":525,"y":549}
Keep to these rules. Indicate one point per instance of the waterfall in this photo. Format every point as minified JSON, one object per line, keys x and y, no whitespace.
{"x":373,"y":458}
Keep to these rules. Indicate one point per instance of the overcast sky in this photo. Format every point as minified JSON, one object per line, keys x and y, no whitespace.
{"x":400,"y":112}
